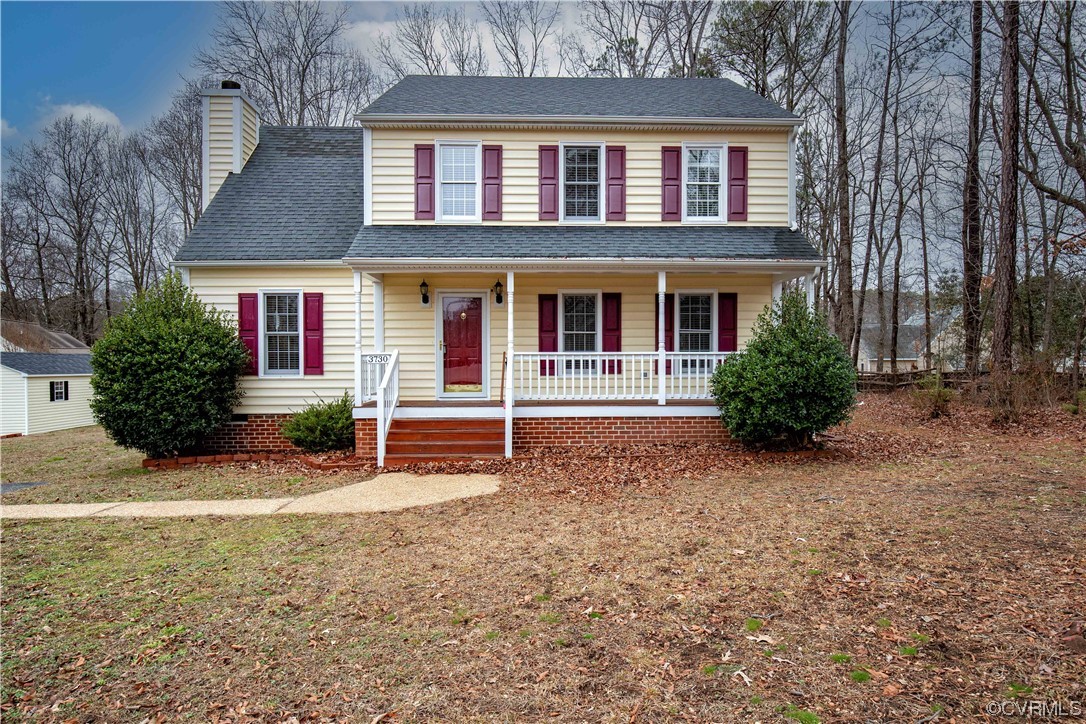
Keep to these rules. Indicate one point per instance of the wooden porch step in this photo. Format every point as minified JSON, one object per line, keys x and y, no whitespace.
{"x":483,"y":423}
{"x":445,"y":446}
{"x":445,"y":434}
{"x":393,"y":460}
{"x":441,"y":439}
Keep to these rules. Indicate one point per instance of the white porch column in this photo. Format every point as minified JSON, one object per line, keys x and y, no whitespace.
{"x":508,"y":381}
{"x":778,"y":289}
{"x":378,"y":313}
{"x":357,"y":337}
{"x":661,"y":347}
{"x":808,"y":281}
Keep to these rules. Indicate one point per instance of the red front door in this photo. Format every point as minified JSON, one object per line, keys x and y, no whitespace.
{"x":462,"y":322}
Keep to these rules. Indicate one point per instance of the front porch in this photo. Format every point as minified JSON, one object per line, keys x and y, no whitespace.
{"x":521,"y":347}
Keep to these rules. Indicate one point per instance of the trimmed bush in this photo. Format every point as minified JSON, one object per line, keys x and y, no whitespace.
{"x":795,"y":379}
{"x":166,"y":371}
{"x":323,"y":427}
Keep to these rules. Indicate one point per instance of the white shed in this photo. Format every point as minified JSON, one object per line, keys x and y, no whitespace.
{"x":42,"y":392}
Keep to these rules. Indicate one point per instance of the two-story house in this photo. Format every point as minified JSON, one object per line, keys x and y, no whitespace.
{"x":491,"y":264}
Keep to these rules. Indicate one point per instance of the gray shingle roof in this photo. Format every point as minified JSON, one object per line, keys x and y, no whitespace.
{"x":581,"y":242}
{"x":693,"y":98}
{"x":299,"y":197}
{"x":41,"y":363}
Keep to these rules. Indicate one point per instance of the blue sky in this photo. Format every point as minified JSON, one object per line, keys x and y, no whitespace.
{"x":119,"y":61}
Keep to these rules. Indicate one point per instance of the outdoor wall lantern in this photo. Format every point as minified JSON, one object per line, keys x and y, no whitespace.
{"x":424,"y":290}
{"x":498,"y":289}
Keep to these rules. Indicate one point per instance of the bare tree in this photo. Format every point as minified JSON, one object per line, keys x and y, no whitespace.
{"x":972,"y":239}
{"x":521,"y":30}
{"x":292,"y":59}
{"x":174,"y":149}
{"x":465,"y":45}
{"x":1004,"y":281}
{"x":686,"y":25}
{"x":615,"y":39}
{"x":843,"y":310}
{"x":415,"y":46}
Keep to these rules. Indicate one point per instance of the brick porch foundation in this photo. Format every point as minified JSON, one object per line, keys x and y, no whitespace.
{"x":531,"y":432}
{"x":257,"y":433}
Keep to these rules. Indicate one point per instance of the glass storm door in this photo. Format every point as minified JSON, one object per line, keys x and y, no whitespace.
{"x":462,"y":343}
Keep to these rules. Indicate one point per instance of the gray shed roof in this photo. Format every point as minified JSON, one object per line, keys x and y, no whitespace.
{"x":637,"y":98}
{"x":582,"y":242}
{"x":298,"y":198}
{"x":41,"y":363}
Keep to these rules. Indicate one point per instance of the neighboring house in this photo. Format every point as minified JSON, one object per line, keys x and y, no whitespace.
{"x":911,"y":354}
{"x":30,"y":337}
{"x":489,"y":264}
{"x":42,"y":392}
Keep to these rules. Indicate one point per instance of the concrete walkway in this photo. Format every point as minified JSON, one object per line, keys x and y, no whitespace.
{"x":383,"y":493}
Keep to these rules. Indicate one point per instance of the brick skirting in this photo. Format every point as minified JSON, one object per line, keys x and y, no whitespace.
{"x":257,"y":433}
{"x":531,"y":432}
{"x":365,"y":439}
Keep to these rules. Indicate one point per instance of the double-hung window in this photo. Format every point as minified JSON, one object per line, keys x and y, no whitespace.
{"x":282,"y":334}
{"x":58,"y":390}
{"x":703,"y":189}
{"x":580,"y":329}
{"x":458,"y":169}
{"x":695,"y":329}
{"x":581,"y":179}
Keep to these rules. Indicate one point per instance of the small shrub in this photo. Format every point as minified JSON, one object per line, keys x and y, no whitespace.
{"x":1069,"y":408}
{"x":794,"y":380}
{"x":166,"y":371}
{"x":323,"y":426}
{"x":860,"y":676}
{"x":932,"y":397}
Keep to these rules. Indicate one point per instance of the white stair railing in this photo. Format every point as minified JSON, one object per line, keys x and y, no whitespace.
{"x":388,"y":397}
{"x":373,"y":365}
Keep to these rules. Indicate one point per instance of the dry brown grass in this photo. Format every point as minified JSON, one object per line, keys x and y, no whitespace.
{"x":555,"y":599}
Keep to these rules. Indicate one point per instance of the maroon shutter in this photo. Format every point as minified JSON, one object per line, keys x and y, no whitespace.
{"x":671,"y":199}
{"x":249,"y":328}
{"x":313,"y":325}
{"x":728,"y":323}
{"x":737,"y":183}
{"x":669,"y":326}
{"x":616,"y":183}
{"x":492,"y":183}
{"x":548,"y":330}
{"x":612,"y":329}
{"x":548,"y":183}
{"x":424,"y":181}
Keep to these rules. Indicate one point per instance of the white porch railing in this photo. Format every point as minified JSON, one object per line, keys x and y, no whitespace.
{"x":613,"y":375}
{"x":388,"y":397}
{"x":373,"y":366}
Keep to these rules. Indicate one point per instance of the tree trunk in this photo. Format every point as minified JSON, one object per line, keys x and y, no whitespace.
{"x":972,"y":242}
{"x":1003,"y":285}
{"x":843,"y":313}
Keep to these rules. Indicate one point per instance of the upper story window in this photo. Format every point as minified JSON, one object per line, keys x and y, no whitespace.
{"x":458,"y":170}
{"x":581,"y":178}
{"x":703,"y":190}
{"x":282,"y":334}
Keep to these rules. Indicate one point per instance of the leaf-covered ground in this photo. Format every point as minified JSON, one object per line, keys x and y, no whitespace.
{"x":932,"y":569}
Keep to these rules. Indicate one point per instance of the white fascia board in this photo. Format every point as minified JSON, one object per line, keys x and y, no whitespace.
{"x":638,"y":264}
{"x":603,"y":121}
{"x":328,"y":263}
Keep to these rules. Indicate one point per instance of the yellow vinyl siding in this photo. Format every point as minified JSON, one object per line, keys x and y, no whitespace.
{"x":410,"y":327}
{"x":46,"y":415}
{"x":250,"y":124}
{"x":12,"y":402}
{"x":393,"y":165}
{"x":220,"y":127}
{"x":221,"y":286}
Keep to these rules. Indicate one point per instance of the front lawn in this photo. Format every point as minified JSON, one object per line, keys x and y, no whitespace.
{"x":931,"y":573}
{"x":84,"y":466}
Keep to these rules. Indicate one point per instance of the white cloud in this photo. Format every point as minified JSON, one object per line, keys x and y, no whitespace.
{"x":8,"y":132}
{"x":84,"y":110}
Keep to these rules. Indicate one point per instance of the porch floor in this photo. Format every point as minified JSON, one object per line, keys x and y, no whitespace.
{"x":541,"y":403}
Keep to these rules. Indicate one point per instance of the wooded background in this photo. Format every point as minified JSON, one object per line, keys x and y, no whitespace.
{"x":942,"y":168}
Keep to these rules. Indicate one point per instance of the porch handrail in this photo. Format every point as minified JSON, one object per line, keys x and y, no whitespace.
{"x":388,"y":397}
{"x":613,"y":375}
{"x":372,"y":371}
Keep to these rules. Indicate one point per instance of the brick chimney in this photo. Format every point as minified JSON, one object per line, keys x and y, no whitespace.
{"x":231,"y":132}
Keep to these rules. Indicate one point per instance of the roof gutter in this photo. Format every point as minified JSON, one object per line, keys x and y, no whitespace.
{"x":257,"y":263}
{"x":640,"y":264}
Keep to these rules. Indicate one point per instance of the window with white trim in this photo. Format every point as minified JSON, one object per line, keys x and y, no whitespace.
{"x":282,"y":334}
{"x":703,"y":190}
{"x":458,"y":181}
{"x":581,"y":179}
{"x":58,"y":390}
{"x":580,"y":329}
{"x":695,"y":329}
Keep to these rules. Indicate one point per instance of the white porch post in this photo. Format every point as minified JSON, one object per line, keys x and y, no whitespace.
{"x":661,"y":347}
{"x":778,"y":289}
{"x":508,"y":381}
{"x":357,"y":337}
{"x":378,"y":313}
{"x":808,"y":281}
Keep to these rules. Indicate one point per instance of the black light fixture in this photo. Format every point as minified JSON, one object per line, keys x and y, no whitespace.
{"x":498,"y":289}
{"x":424,"y":289}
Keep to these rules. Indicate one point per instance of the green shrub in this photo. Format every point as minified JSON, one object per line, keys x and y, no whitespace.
{"x":794,"y":380}
{"x":165,"y":373}
{"x":932,"y":397}
{"x":323,"y":426}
